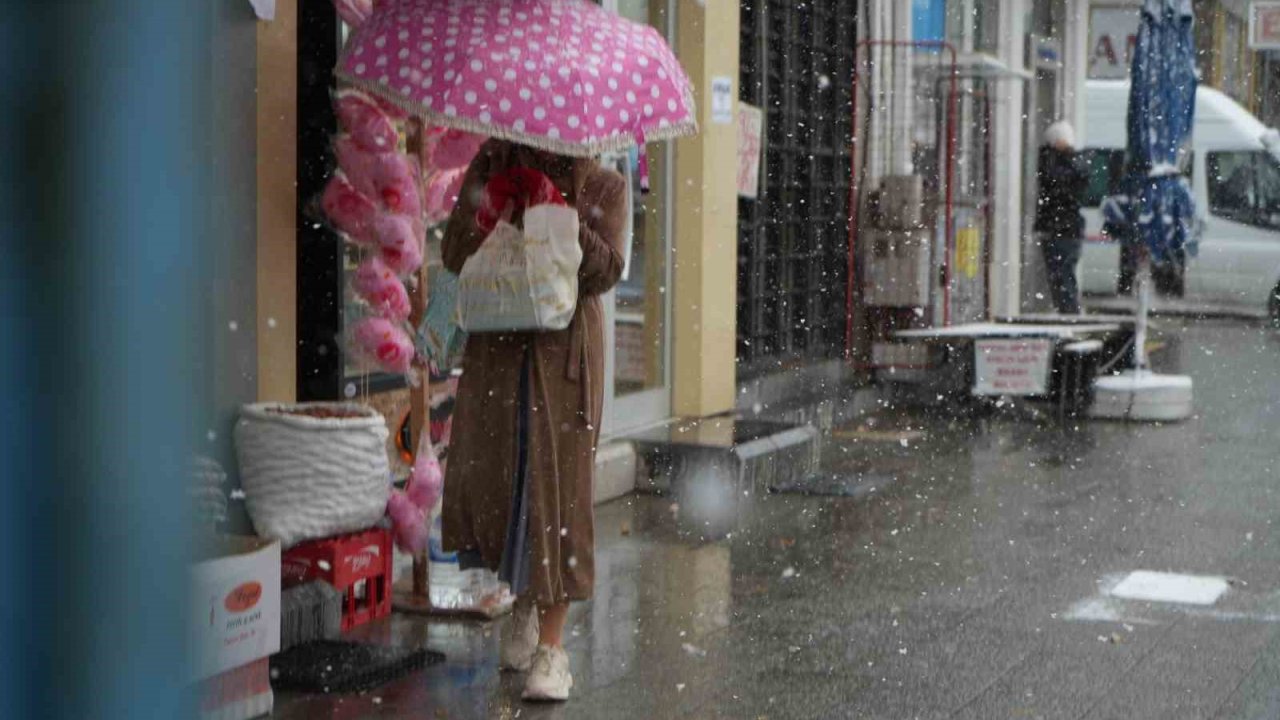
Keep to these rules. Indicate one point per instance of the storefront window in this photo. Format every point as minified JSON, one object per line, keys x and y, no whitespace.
{"x":974,"y":26}
{"x":1105,"y":167}
{"x":1235,"y":76}
{"x":641,"y":296}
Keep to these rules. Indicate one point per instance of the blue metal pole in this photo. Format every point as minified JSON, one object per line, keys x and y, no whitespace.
{"x":103,"y":218}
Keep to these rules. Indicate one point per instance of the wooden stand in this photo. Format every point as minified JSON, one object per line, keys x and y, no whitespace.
{"x":416,"y":597}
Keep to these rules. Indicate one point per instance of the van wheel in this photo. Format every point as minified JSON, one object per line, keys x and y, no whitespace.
{"x":1274,"y":307}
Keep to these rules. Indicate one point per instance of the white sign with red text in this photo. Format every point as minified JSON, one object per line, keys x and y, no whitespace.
{"x":235,"y":611}
{"x":750,"y":126}
{"x":1113,"y":33}
{"x":1011,"y":367}
{"x":1264,"y":25}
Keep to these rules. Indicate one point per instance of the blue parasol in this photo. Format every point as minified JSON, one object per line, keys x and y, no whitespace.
{"x":1161,"y":110}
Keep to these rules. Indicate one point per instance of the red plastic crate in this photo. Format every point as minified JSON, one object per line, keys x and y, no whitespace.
{"x":358,"y":565}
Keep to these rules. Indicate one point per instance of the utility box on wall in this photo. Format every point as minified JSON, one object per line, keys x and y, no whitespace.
{"x":896,"y":268}
{"x":901,"y":202}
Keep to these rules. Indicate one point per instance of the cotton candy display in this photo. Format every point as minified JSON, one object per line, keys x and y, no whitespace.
{"x":408,"y":523}
{"x":370,"y":128}
{"x":380,"y":287}
{"x":350,"y":211}
{"x":384,"y":342}
{"x":447,"y":149}
{"x":426,"y":480}
{"x":400,"y":241}
{"x":446,"y":155}
{"x":396,"y":181}
{"x":375,"y":200}
{"x":390,"y":178}
{"x":408,"y":508}
{"x":442,"y":189}
{"x":359,"y":165}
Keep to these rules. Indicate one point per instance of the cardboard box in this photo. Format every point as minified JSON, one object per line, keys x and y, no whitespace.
{"x":235,"y":596}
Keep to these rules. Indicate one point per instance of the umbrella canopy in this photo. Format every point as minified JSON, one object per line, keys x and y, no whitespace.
{"x":1161,"y":110}
{"x":562,"y":75}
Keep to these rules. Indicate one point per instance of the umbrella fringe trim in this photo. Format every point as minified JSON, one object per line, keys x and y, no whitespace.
{"x":615,"y":143}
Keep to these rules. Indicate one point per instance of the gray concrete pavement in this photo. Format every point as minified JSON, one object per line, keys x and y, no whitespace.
{"x":964,"y":573}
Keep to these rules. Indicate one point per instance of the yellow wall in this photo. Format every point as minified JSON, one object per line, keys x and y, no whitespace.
{"x":706,"y":220}
{"x":277,"y":204}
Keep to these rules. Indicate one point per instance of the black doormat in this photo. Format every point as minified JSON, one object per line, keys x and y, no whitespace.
{"x":334,"y":666}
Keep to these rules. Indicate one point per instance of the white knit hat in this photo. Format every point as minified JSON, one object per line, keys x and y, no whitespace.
{"x":1059,"y":133}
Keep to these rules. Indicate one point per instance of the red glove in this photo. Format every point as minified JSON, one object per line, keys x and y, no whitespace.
{"x":513,"y":191}
{"x":535,"y":187}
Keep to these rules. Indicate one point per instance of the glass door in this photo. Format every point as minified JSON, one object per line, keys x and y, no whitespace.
{"x":637,"y":312}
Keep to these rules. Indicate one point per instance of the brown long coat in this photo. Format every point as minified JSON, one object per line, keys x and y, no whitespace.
{"x":566,"y":392}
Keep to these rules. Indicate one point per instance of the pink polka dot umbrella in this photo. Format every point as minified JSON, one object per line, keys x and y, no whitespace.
{"x":562,"y":75}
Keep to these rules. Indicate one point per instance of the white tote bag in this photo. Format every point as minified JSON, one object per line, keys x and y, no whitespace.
{"x":523,"y":280}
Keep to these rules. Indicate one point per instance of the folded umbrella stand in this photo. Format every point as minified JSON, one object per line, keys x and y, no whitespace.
{"x":1161,"y":111}
{"x":1140,"y":394}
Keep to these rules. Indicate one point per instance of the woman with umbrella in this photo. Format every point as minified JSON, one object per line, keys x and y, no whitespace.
{"x":556,"y":83}
{"x":519,"y":492}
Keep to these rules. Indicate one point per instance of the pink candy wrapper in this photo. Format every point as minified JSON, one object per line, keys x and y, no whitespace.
{"x":379,"y":286}
{"x":385,"y":344}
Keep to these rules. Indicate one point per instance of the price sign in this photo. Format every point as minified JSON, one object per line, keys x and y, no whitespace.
{"x":1011,"y":367}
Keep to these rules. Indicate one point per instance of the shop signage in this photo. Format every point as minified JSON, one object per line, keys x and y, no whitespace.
{"x":1264,"y":25}
{"x":1113,"y":34}
{"x":750,"y":125}
{"x":928,"y":20}
{"x":722,"y":100}
{"x":1011,"y":367}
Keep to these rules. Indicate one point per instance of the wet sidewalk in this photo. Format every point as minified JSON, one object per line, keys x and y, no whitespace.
{"x":953,"y":567}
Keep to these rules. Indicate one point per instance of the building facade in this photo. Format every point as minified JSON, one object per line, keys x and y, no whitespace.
{"x":727,"y":299}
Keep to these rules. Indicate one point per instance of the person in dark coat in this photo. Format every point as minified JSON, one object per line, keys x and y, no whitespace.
{"x":1062,"y":179}
{"x":1119,"y":224}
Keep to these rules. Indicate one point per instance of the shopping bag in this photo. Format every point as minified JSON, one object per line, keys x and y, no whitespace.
{"x":523,"y":279}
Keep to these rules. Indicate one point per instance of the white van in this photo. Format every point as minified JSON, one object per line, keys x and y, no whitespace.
{"x":1235,"y":176}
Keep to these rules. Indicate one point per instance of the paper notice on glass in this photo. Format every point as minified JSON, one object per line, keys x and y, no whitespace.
{"x":722,"y":100}
{"x":1011,"y":367}
{"x":750,"y":123}
{"x":1264,"y":25}
{"x":266,"y":9}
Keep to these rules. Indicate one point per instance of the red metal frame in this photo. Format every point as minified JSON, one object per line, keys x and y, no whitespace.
{"x":989,"y":211}
{"x":949,"y":163}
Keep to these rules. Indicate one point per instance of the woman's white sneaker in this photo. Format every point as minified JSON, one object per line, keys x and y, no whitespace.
{"x":520,"y":638}
{"x":549,"y":678}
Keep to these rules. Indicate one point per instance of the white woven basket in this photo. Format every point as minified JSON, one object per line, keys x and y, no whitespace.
{"x":306,"y":477}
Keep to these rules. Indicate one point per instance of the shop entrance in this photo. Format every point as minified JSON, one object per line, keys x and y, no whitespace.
{"x":637,"y":312}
